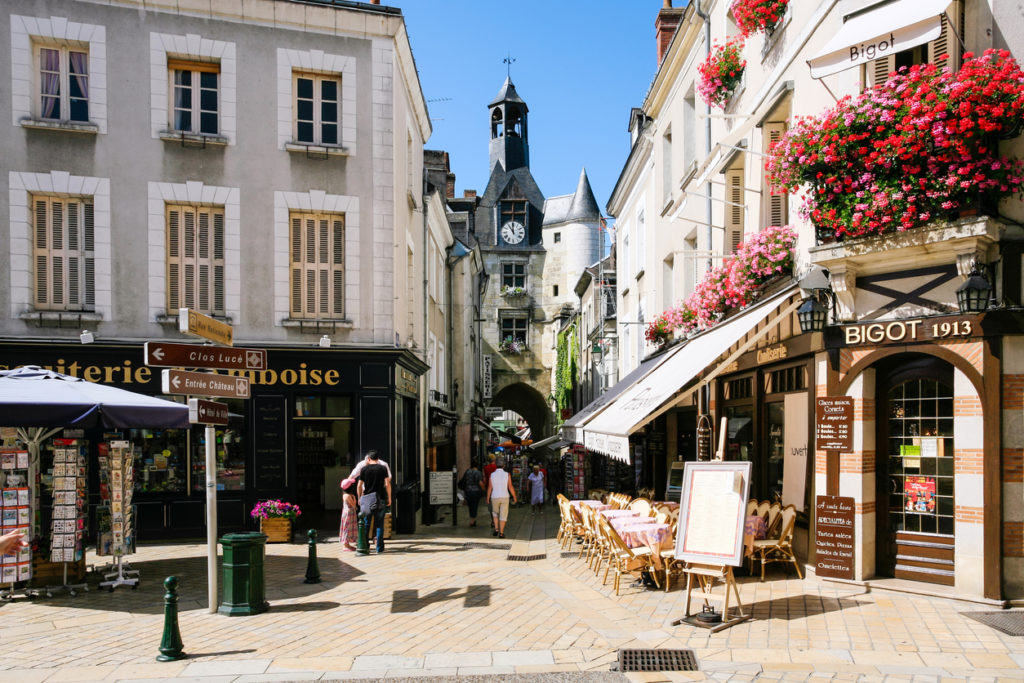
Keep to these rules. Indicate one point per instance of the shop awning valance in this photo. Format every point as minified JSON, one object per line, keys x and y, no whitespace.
{"x":672,"y":381}
{"x":553,"y":442}
{"x":572,"y":428}
{"x":879,"y":32}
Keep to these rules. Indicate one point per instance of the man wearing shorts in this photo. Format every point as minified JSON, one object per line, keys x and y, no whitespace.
{"x":499,"y":488}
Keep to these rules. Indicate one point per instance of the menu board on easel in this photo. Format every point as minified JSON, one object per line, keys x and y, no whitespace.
{"x":114,"y":516}
{"x":69,"y":489}
{"x":712,"y":512}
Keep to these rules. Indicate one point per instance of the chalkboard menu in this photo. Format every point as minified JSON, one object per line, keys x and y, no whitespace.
{"x":833,"y":539}
{"x":270,"y":442}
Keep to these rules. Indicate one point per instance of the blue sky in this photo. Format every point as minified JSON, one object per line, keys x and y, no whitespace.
{"x":580,"y":66}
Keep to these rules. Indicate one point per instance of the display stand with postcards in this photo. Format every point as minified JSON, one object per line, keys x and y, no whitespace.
{"x":114,"y":517}
{"x":69,"y":483}
{"x":15,"y":568}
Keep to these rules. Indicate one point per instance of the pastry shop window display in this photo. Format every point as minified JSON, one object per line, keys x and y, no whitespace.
{"x":161,"y":460}
{"x":16,"y":515}
{"x":230,"y":452}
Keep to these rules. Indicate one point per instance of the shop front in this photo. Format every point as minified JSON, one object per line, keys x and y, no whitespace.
{"x":311,"y":416}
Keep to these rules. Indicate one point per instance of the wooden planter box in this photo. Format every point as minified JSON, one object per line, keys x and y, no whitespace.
{"x":277,"y":529}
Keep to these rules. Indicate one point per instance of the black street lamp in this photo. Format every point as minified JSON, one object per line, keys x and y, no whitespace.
{"x":812,"y":315}
{"x":974,"y":295}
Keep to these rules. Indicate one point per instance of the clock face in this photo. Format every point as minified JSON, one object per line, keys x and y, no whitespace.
{"x":513,"y":232}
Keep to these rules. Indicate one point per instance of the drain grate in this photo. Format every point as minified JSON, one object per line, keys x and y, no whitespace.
{"x":1010,"y":623}
{"x":657,"y":660}
{"x":526,"y":558}
{"x":570,"y":553}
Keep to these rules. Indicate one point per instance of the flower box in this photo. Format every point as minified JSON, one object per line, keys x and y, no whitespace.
{"x":512,"y":346}
{"x":513,"y":292}
{"x":721,"y":73}
{"x":277,"y":529}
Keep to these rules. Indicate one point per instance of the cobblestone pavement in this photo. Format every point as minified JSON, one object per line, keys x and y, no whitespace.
{"x":448,"y":602}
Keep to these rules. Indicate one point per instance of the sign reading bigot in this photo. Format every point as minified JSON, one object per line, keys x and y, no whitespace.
{"x":204,"y":384}
{"x":833,"y":424}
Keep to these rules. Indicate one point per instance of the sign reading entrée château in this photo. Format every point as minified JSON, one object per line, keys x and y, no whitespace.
{"x":833,"y":540}
{"x":204,"y":384}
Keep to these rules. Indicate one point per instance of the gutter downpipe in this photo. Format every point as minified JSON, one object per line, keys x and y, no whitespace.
{"x":424,"y":388}
{"x":706,"y":409}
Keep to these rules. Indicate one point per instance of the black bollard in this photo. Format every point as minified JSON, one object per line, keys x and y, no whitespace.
{"x":312,"y":566}
{"x":170,"y":643}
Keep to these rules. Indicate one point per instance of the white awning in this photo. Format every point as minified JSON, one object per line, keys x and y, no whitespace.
{"x":609,"y":432}
{"x":880,"y":32}
{"x":572,"y":429}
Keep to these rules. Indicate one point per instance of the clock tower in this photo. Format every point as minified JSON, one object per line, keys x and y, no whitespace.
{"x":509,"y":140}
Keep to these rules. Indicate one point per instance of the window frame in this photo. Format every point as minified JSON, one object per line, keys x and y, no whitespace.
{"x":81,"y":258}
{"x":179,"y":283}
{"x":329,"y":304}
{"x":195,"y":68}
{"x":509,"y":279}
{"x":64,"y":49}
{"x":517,"y":317}
{"x":317,"y":99}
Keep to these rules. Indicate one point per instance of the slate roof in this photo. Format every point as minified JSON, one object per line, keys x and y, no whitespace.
{"x":508,"y":94}
{"x":579,"y":207}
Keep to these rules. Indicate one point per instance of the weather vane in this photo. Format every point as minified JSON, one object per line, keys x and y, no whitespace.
{"x":508,"y":64}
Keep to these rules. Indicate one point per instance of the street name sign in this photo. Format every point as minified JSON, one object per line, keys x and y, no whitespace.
{"x":493,"y":411}
{"x":202,"y":412}
{"x":170,"y":355}
{"x":187,"y":383}
{"x":194,"y":322}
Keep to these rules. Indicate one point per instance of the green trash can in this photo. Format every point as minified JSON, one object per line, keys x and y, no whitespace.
{"x":244,"y":583}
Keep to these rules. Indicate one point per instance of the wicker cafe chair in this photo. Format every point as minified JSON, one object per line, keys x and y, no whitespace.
{"x":751,"y":507}
{"x":623,"y":559}
{"x":779,"y":549}
{"x":603,"y":546}
{"x":762,"y":508}
{"x":574,"y":525}
{"x":565,"y":525}
{"x":641,"y":506}
{"x":774,"y":510}
{"x":587,"y":519}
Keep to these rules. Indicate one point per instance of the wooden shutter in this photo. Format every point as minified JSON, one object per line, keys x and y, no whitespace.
{"x":195,"y":259}
{"x":733,"y":214}
{"x":777,"y":204}
{"x":317,"y":258}
{"x":64,"y":243}
{"x":946,"y":44}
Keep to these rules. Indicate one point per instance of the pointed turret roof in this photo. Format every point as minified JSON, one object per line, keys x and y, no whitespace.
{"x":584,"y":206}
{"x":508,"y":94}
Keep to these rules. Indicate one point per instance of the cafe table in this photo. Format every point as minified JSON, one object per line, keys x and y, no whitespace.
{"x":593,"y":504}
{"x":616,"y":514}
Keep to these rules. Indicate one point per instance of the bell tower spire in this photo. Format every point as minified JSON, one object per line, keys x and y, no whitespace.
{"x":509,"y":139}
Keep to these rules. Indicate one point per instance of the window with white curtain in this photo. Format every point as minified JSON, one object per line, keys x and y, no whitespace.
{"x":195,"y":96}
{"x":63,"y":90}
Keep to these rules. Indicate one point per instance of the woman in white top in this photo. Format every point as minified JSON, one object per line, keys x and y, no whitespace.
{"x":499,"y":488}
{"x":537,"y":489}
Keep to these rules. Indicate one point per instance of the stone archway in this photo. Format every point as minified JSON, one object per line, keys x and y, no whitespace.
{"x":529,"y":403}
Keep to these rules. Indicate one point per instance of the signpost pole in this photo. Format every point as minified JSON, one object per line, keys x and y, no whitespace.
{"x":211,"y":515}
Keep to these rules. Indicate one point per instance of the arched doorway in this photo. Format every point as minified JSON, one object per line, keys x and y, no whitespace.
{"x":915,"y":468}
{"x":525,"y":400}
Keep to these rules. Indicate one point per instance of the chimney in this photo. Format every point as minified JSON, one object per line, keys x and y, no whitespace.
{"x":469,"y":194}
{"x":665,"y":26}
{"x":374,"y":2}
{"x":449,"y":186}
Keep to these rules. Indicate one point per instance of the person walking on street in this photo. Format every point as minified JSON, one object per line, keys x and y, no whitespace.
{"x":499,"y":488}
{"x":374,"y":493}
{"x":536,"y":480}
{"x":472,"y":485}
{"x":488,"y":469}
{"x":349,"y":514}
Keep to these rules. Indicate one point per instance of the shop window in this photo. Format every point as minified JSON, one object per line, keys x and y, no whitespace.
{"x":161,"y":460}
{"x":787,"y":379}
{"x":229,"y":447}
{"x":63,"y":253}
{"x":317,"y":265}
{"x":195,"y":259}
{"x":739,"y":388}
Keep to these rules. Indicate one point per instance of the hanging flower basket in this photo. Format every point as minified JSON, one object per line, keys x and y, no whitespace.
{"x":753,"y":16}
{"x":922,"y":145}
{"x":512,"y":346}
{"x":721,"y":72}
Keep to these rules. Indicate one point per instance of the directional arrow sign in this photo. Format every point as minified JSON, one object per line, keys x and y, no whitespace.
{"x":204,"y":384}
{"x":202,"y":412}
{"x":168,"y":355}
{"x":194,"y":322}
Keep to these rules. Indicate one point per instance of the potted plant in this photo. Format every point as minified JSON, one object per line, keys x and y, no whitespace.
{"x":922,"y":146}
{"x":510,"y":292}
{"x":511,"y":345}
{"x":721,"y":72}
{"x":276,"y":519}
{"x":758,"y":15}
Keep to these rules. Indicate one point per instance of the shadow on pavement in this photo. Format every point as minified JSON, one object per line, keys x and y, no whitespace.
{"x":280,"y":572}
{"x":800,"y":606}
{"x":320,"y":606}
{"x":405,"y":601}
{"x":225,"y":653}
